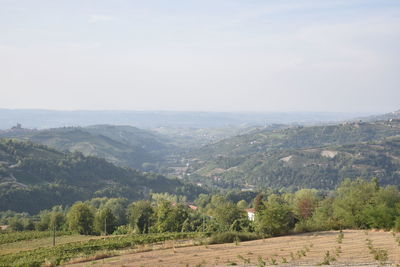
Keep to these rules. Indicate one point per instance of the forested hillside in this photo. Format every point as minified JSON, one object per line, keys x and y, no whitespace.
{"x":122,"y":145}
{"x":156,"y":151}
{"x":34,"y":177}
{"x":270,"y":139}
{"x":319,"y":157}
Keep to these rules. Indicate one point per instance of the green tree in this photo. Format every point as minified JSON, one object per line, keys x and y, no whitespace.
{"x":141,"y":216}
{"x":28,"y":224}
{"x":118,"y":207}
{"x":57,"y":220}
{"x":324,"y":217}
{"x":224,"y":212}
{"x":383,"y":208}
{"x":305,"y":203}
{"x":242,"y":204}
{"x":104,"y":221}
{"x":276,"y":217}
{"x":80,"y":218}
{"x":352,"y":198}
{"x":258,"y":202}
{"x":16,"y":224}
{"x":44,"y":222}
{"x":202,"y":200}
{"x":170,"y":217}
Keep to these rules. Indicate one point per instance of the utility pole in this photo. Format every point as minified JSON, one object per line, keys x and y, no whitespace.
{"x":105,"y":224}
{"x":54,"y":234}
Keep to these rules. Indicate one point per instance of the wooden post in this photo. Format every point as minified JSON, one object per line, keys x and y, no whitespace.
{"x":105,"y":225}
{"x":54,"y":235}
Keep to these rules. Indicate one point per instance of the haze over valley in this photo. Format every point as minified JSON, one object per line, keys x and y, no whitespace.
{"x":199,"y":133}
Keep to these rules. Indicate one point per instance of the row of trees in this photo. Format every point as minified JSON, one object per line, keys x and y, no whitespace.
{"x":357,"y":204}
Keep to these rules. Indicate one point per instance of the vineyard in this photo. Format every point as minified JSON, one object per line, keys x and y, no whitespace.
{"x":63,"y":253}
{"x":27,"y":235}
{"x":346,"y":248}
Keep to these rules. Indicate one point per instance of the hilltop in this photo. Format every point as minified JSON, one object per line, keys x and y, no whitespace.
{"x":395,"y":115}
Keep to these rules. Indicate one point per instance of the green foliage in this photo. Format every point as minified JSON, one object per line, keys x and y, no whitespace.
{"x":227,"y":215}
{"x":141,"y":216}
{"x":305,"y":203}
{"x":105,"y":141}
{"x":276,"y":218}
{"x":242,"y":204}
{"x":57,"y":220}
{"x":328,"y":258}
{"x":63,"y":253}
{"x":379,"y":254}
{"x":118,"y":207}
{"x":261,"y":262}
{"x":16,"y":224}
{"x":33,"y":171}
{"x":340,"y":237}
{"x":11,"y":237}
{"x":397,"y":225}
{"x":352,"y":198}
{"x":303,"y":157}
{"x":105,"y":221}
{"x":80,"y":218}
{"x":170,"y":217}
{"x":323,"y":218}
{"x":230,"y":237}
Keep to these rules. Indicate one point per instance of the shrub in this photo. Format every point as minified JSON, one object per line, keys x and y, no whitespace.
{"x":397,"y":225}
{"x":230,"y":237}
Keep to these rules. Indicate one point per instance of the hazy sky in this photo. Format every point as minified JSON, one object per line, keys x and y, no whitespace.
{"x":211,"y":55}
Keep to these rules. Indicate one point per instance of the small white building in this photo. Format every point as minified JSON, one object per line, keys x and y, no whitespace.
{"x":251,"y":214}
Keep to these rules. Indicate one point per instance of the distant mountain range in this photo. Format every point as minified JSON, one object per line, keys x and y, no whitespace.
{"x":43,"y":119}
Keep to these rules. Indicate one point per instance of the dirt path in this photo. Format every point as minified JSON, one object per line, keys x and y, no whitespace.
{"x":295,"y":250}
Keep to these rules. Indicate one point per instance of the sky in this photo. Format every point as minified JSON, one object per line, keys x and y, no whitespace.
{"x":201,"y":55}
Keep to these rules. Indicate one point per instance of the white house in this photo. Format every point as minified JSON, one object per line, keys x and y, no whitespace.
{"x":250,"y":214}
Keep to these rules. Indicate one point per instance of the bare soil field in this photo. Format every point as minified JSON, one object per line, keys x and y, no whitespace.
{"x":352,"y":248}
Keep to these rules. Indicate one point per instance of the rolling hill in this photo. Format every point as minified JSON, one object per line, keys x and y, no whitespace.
{"x":395,"y":115}
{"x":319,"y":156}
{"x":36,"y":172}
{"x":157,"y":150}
{"x":121,"y":145}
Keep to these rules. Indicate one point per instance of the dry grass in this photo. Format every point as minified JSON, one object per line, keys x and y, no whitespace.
{"x":304,"y":249}
{"x":97,"y":256}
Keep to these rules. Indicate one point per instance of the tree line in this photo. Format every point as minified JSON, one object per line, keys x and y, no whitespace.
{"x":357,"y":204}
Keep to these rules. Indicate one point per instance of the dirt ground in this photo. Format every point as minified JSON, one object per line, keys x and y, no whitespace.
{"x":296,"y":250}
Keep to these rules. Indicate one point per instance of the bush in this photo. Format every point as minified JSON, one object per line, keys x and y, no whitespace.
{"x":122,"y":230}
{"x":230,"y":237}
{"x":397,"y":225}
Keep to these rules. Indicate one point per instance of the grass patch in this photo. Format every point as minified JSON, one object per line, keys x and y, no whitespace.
{"x":97,"y":256}
{"x":328,"y":258}
{"x":232,"y":237}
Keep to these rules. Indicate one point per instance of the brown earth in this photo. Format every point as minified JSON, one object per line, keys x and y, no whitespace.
{"x":297,"y":250}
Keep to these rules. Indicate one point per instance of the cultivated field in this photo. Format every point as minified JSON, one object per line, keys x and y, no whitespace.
{"x":350,"y":248}
{"x":25,"y":245}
